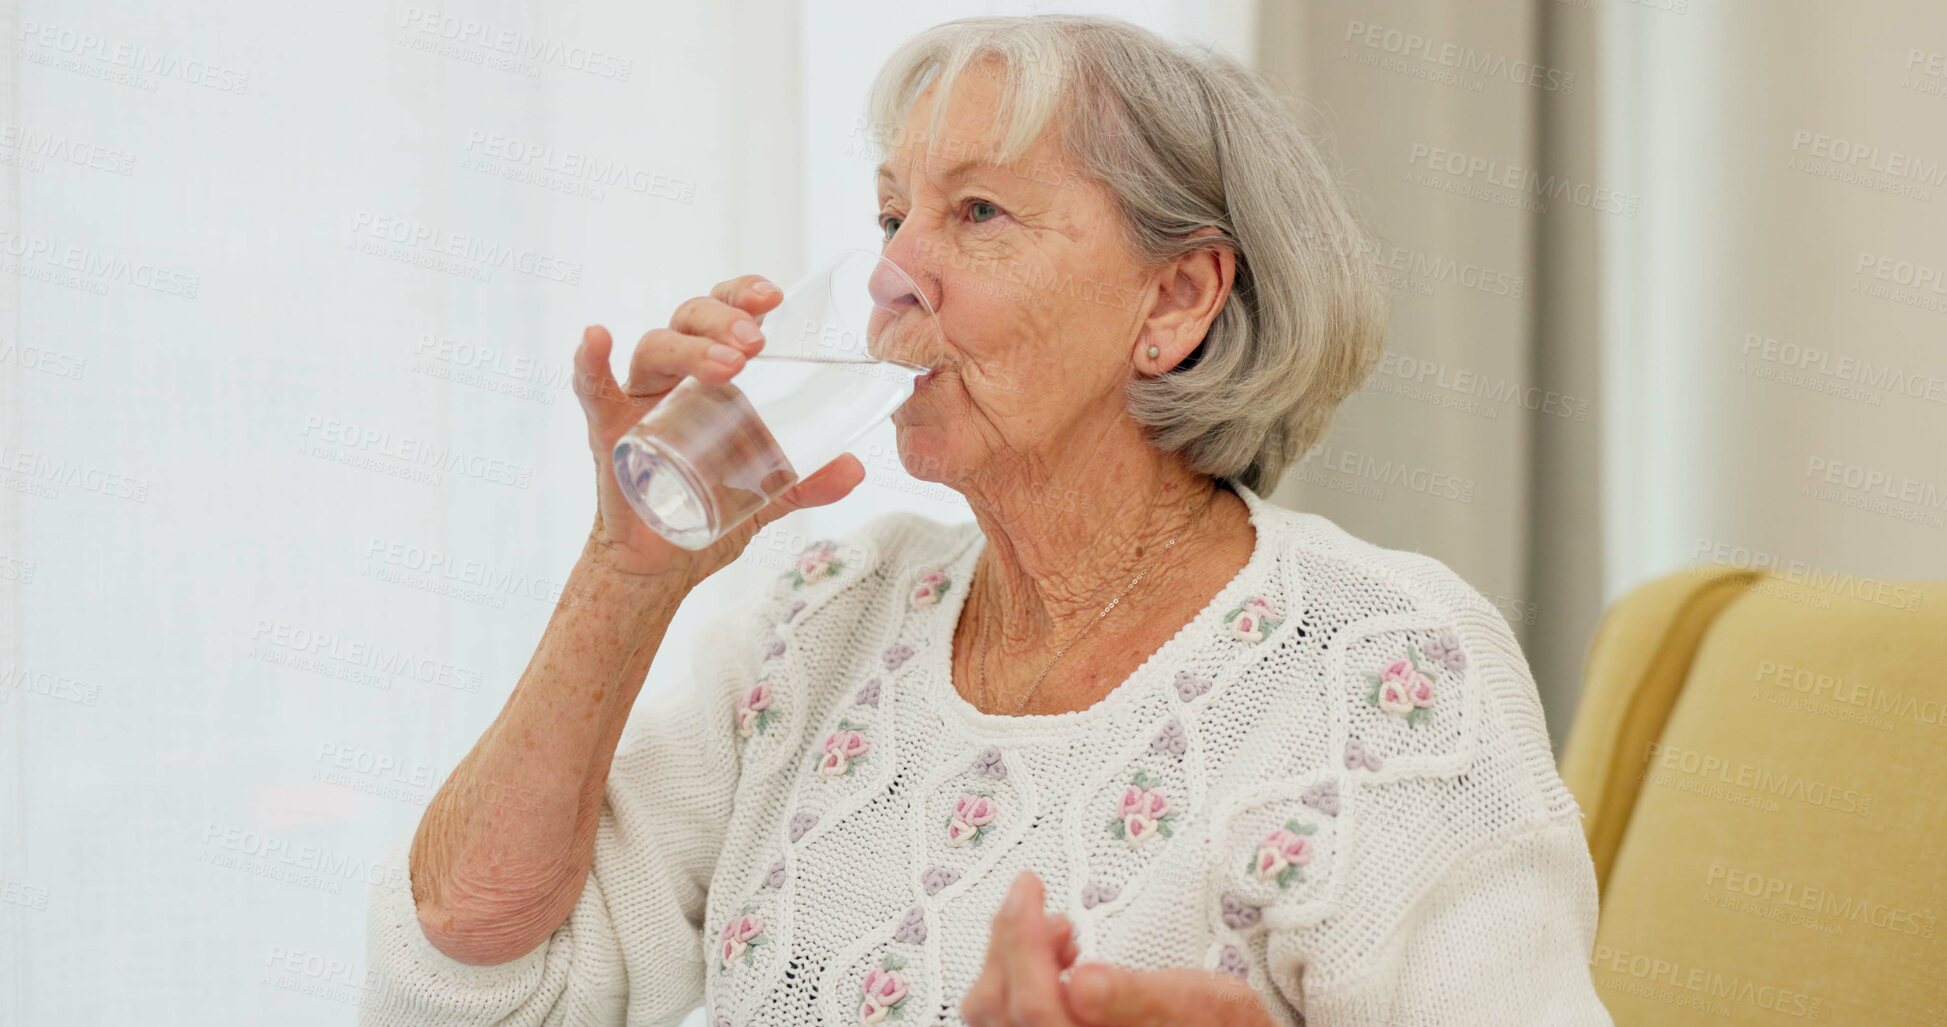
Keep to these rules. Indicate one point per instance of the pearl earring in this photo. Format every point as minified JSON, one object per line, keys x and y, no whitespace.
{"x":1153,"y":351}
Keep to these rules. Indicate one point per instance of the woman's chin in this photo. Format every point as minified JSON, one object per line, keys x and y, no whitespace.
{"x":922,"y":449}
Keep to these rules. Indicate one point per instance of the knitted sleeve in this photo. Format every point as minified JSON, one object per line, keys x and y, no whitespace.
{"x":1458,"y":888}
{"x":631,"y":949}
{"x":1502,"y":938}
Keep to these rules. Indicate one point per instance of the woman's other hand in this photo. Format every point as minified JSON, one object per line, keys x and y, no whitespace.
{"x":709,"y":338}
{"x":1021,"y":985}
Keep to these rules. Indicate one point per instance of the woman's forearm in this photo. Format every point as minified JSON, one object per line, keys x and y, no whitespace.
{"x":504,"y":848}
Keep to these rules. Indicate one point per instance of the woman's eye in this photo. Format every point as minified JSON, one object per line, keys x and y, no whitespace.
{"x":981,"y":210}
{"x":889,"y":225}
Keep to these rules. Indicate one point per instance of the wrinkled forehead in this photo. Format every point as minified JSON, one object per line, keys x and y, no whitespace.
{"x":976,"y":121}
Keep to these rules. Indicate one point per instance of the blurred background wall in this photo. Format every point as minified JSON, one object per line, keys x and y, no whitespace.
{"x":290,"y":471}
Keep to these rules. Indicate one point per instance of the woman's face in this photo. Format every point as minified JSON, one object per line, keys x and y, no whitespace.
{"x":1041,"y":303}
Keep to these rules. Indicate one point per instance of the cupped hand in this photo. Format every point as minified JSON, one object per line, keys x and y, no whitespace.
{"x":709,"y":338}
{"x":1021,"y":983}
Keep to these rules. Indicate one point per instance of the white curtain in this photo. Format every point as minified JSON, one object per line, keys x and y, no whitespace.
{"x":1779,"y":384}
{"x":1668,"y":282}
{"x":290,"y":469}
{"x":1475,"y":440}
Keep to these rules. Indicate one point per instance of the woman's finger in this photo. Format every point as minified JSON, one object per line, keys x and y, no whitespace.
{"x":753,"y":294}
{"x":985,"y":1004}
{"x":595,"y":384}
{"x":829,"y":484}
{"x":1066,"y":947}
{"x":1112,"y":996}
{"x":665,"y":357}
{"x":711,"y":318}
{"x":1030,"y":959}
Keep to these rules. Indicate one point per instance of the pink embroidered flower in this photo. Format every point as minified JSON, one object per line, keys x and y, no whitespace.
{"x":1403,"y":689}
{"x":931,"y":587}
{"x":971,"y":816}
{"x":739,"y":934}
{"x":1282,"y":852}
{"x":1254,"y":620}
{"x":754,"y":709}
{"x":815,"y":564}
{"x":843,"y":747}
{"x":1143,"y":813}
{"x":884,"y":989}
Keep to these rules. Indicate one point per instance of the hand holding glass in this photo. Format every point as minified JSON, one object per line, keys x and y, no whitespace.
{"x":837,"y":360}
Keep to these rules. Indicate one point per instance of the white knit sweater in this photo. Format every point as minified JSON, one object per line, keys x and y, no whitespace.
{"x":1334,"y":781}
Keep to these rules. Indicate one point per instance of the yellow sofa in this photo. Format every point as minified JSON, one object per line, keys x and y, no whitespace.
{"x":1761,"y":762}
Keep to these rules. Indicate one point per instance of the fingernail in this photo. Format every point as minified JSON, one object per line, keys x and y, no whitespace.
{"x":1090,"y":986}
{"x":762,"y":288}
{"x":1015,"y":896}
{"x":746,"y":332}
{"x":722,"y":354}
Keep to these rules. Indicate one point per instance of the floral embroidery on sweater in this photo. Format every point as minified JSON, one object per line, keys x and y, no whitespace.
{"x":912,"y":927}
{"x":1189,"y":686}
{"x":1231,"y":961}
{"x":1445,"y":648}
{"x":1239,"y":914}
{"x":1282,"y":853}
{"x":1095,"y":894}
{"x":1323,"y":797}
{"x":740,"y":936}
{"x":802,"y":821}
{"x":818,"y":562}
{"x":1170,"y":739}
{"x":937,"y":878}
{"x":1255,"y":620}
{"x":1357,"y":755}
{"x":1143,"y":813}
{"x":754,"y":713}
{"x":930,"y":588}
{"x":1403,"y":689}
{"x":843,"y":748}
{"x":990,"y":763}
{"x":972,"y":815}
{"x":884,"y":990}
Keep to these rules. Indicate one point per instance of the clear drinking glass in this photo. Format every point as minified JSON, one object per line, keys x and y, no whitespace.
{"x":837,"y":359}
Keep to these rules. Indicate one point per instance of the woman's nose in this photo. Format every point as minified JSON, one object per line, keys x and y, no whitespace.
{"x":897,"y":282}
{"x":914,"y":251}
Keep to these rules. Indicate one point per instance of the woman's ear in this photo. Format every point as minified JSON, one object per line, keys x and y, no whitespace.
{"x":1189,"y":293}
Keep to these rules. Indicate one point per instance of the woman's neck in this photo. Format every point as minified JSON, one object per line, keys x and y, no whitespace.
{"x":1061,"y":543}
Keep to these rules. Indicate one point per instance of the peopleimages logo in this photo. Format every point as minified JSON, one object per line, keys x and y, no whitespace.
{"x":1706,"y":983}
{"x":434,"y":26}
{"x":97,"y":56}
{"x":1491,"y":172}
{"x":1463,"y":59}
{"x":417,"y":242}
{"x":1823,"y":901}
{"x":88,"y":268}
{"x":1885,"y":484}
{"x":32,"y":145}
{"x":582,"y":169}
{"x":1762,"y":780}
{"x":408,"y":453}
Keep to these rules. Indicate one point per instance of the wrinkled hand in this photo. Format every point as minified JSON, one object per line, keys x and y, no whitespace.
{"x":709,"y":338}
{"x":1021,"y":983}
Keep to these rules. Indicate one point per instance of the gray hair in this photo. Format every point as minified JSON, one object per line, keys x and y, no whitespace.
{"x":1187,"y":139}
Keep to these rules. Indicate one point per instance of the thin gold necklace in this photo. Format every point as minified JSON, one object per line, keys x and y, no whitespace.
{"x":1036,"y":686}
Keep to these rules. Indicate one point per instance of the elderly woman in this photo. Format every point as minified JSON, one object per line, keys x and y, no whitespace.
{"x":1135,"y":746}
